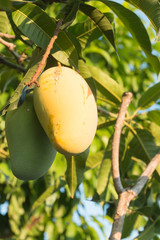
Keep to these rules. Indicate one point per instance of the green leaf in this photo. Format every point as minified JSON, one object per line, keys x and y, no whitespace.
{"x":149,"y":97}
{"x":13,"y":101}
{"x":107,"y":86}
{"x":101,"y":22}
{"x":68,"y":13}
{"x":129,"y":224}
{"x":48,"y":192}
{"x":94,"y":160}
{"x":5,"y":26}
{"x":154,"y":116}
{"x":143,"y":146}
{"x":75,"y":169}
{"x":85,"y":32}
{"x":6,"y":4}
{"x":84,"y":71}
{"x":104,"y":173}
{"x":148,"y":232}
{"x":39,"y":27}
{"x":152,"y":10}
{"x":137,"y":29}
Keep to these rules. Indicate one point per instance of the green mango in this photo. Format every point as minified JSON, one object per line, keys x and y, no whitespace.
{"x":31,"y":151}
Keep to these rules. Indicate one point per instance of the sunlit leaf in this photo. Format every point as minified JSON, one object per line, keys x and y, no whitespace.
{"x":149,"y":97}
{"x":104,"y":173}
{"x":101,"y":22}
{"x":137,"y":29}
{"x":107,"y":86}
{"x":84,"y":71}
{"x":5,"y":26}
{"x":39,"y":27}
{"x":151,"y":8}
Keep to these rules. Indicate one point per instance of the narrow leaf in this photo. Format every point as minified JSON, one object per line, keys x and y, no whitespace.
{"x":101,"y":21}
{"x":84,"y":71}
{"x":148,"y":232}
{"x":39,"y":27}
{"x":94,"y":160}
{"x":149,"y":97}
{"x":137,"y":29}
{"x":107,"y":86}
{"x":75,"y":169}
{"x":48,"y":192}
{"x":104,"y":173}
{"x":68,"y":13}
{"x":5,"y":26}
{"x":152,"y":10}
{"x":143,"y":146}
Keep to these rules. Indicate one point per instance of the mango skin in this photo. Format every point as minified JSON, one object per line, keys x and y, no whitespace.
{"x":30,"y":150}
{"x":66,"y":109}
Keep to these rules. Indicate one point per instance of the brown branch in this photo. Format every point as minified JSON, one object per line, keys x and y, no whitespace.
{"x":126,"y":195}
{"x":9,"y":45}
{"x":11,"y":65}
{"x":45,"y":56}
{"x":5,"y":35}
{"x":126,"y":99}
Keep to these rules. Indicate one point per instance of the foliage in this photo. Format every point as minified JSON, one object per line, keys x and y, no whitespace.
{"x":115,"y":51}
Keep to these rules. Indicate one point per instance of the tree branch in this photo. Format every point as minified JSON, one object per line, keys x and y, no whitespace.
{"x":11,"y":65}
{"x":126,"y":99}
{"x":5,"y":35}
{"x":9,"y":45}
{"x":137,"y":188}
{"x":45,"y":56}
{"x":126,"y":195}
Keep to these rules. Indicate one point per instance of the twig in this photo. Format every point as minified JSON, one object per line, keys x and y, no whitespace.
{"x":137,"y":188}
{"x":126,"y":99}
{"x":12,"y":65}
{"x":9,"y":45}
{"x":5,"y":35}
{"x":45,"y":56}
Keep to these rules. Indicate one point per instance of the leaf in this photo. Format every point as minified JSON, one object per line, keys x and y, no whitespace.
{"x":85,"y":32}
{"x":5,"y":26}
{"x":6,"y":4}
{"x":68,"y":13}
{"x":107,"y":86}
{"x":149,"y":97}
{"x":152,"y":10}
{"x":48,"y":192}
{"x":137,"y":29}
{"x":101,"y":22}
{"x":104,"y":173}
{"x":75,"y":169}
{"x":143,"y":146}
{"x":13,"y":101}
{"x":129,"y":224}
{"x":154,"y":116}
{"x":148,"y":232}
{"x":94,"y":160}
{"x":84,"y":71}
{"x":39,"y":27}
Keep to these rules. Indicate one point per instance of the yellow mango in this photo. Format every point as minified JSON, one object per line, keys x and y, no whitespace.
{"x":66,"y":109}
{"x":31,"y":151}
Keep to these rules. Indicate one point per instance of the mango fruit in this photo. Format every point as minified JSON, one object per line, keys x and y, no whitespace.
{"x":66,"y":109}
{"x":31,"y":151}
